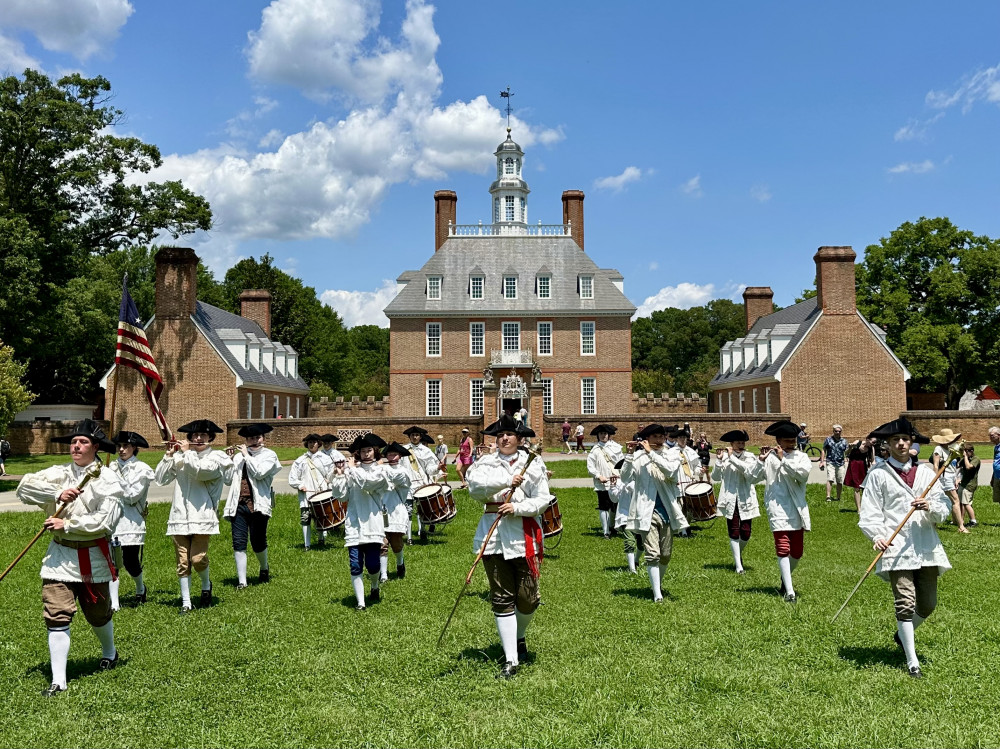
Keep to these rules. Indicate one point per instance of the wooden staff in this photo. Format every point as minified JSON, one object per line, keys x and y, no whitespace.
{"x":91,"y":474}
{"x":482,"y":550}
{"x":952,"y":454}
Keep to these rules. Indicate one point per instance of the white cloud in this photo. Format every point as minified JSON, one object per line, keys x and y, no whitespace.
{"x":983,"y":85}
{"x":78,"y":27}
{"x":13,"y":58}
{"x":761,"y":193}
{"x":361,"y":307}
{"x":654,"y":265}
{"x":685,"y":295}
{"x":618,"y":182}
{"x":693,"y":187}
{"x":916,"y":129}
{"x":912,"y":167}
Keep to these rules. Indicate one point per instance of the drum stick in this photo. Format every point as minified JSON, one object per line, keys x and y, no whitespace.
{"x":482,"y":551}
{"x":92,"y":474}
{"x":944,"y":465}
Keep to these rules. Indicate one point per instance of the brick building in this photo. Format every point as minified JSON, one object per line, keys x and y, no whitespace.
{"x":820,"y":360}
{"x":510,"y":315}
{"x":215,"y":365}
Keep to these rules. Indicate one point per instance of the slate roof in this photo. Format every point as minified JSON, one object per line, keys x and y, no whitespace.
{"x":494,"y":257}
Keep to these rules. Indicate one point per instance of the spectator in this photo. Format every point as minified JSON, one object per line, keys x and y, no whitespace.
{"x":579,"y":438}
{"x":4,"y":454}
{"x":995,"y":479}
{"x":832,"y":458}
{"x":943,"y":441}
{"x":704,"y":449}
{"x":441,"y":453}
{"x":968,"y":469}
{"x":464,"y":457}
{"x":803,"y":437}
{"x":859,"y":460}
{"x":566,"y":429}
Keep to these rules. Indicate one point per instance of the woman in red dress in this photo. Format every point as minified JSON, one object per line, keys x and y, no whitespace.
{"x":463,"y":459}
{"x":860,"y":456}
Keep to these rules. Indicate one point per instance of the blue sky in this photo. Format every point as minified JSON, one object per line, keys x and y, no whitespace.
{"x":719,"y":144}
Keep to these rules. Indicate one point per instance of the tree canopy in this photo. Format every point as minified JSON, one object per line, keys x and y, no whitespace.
{"x":935,"y":289}
{"x":14,"y":396}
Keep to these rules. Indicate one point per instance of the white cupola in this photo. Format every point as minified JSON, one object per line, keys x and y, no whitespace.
{"x":509,"y":191}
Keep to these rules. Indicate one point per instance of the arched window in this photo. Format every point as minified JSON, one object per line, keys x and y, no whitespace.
{"x":508,"y":165}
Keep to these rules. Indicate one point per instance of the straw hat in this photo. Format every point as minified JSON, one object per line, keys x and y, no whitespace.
{"x":946,"y":437}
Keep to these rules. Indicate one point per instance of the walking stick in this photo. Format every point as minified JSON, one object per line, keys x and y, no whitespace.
{"x":93,"y":473}
{"x":951,"y":456}
{"x":482,"y":550}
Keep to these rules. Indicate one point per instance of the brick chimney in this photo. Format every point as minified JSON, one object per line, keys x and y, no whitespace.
{"x":835,"y":280}
{"x":176,"y":283}
{"x":255,"y":304}
{"x":445,"y":210}
{"x":573,"y":213}
{"x":757,"y":302}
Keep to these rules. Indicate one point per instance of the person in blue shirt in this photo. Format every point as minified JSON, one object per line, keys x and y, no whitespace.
{"x":995,"y":481}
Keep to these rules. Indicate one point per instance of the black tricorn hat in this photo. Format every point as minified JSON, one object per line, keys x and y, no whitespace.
{"x":525,"y":431}
{"x":735,"y":435}
{"x":311,"y":437}
{"x":678,"y":431}
{"x":90,"y":429}
{"x":783,"y":428}
{"x":203,"y":426}
{"x":414,"y":430}
{"x":255,"y":430}
{"x":506,"y":423}
{"x":130,"y":438}
{"x":367,"y":440}
{"x":606,"y":428}
{"x":395,"y":447}
{"x":901,"y":425}
{"x":327,"y":437}
{"x":426,"y":439}
{"x":649,"y":430}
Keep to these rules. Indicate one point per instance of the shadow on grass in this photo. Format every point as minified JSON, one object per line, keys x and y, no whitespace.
{"x":642,"y":594}
{"x":76,"y":668}
{"x":766,"y":590}
{"x":866,"y":657}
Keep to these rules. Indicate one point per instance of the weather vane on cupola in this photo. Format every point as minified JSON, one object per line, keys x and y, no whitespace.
{"x":506,"y":95}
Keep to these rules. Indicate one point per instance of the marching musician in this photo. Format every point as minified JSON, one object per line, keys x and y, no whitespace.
{"x":77,"y":564}
{"x":655,"y":512}
{"x":362,"y":482}
{"x":251,"y":499}
{"x":601,"y":466}
{"x":423,"y":468}
{"x":307,"y":476}
{"x":396,"y":512}
{"x":129,"y":538}
{"x":201,"y":474}
{"x":621,"y":492}
{"x":691,"y":467}
{"x":330,"y":450}
{"x":512,"y":557}
{"x":915,"y":559}
{"x":786,"y":470}
{"x":738,"y":470}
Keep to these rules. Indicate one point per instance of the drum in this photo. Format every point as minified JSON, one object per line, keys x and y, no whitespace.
{"x":699,"y":501}
{"x":435,"y":504}
{"x":552,"y":519}
{"x":328,"y":511}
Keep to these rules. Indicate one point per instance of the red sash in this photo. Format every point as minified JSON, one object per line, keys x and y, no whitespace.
{"x":87,"y":572}
{"x":533,"y":545}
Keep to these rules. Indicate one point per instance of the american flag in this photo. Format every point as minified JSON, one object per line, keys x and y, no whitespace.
{"x":132,"y":350}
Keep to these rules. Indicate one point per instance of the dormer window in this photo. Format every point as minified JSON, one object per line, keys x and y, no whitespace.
{"x":476,"y":284}
{"x":586,"y":287}
{"x":510,"y":287}
{"x":545,"y":287}
{"x":434,"y":287}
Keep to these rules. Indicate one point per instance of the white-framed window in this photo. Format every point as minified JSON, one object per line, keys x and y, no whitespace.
{"x":298,"y":407}
{"x":545,"y":287}
{"x":509,"y":207}
{"x":249,"y":405}
{"x":767,"y":399}
{"x":246,"y":360}
{"x":586,"y":287}
{"x":588,"y":395}
{"x":288,"y":406}
{"x":433,"y":397}
{"x":275,"y":415}
{"x":545,"y":339}
{"x":263,"y":405}
{"x":754,"y":391}
{"x":476,"y":284}
{"x":510,"y":287}
{"x":476,"y":397}
{"x":718,"y":405}
{"x":477,"y":339}
{"x":434,"y":287}
{"x":547,"y":408}
{"x":730,"y":399}
{"x":588,"y":347}
{"x":508,"y":165}
{"x":433,"y":339}
{"x":743,"y":402}
{"x":524,"y":209}
{"x":496,"y":210}
{"x":511,"y":336}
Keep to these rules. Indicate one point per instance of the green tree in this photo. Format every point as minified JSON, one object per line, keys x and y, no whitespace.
{"x":68,"y":193}
{"x":935,"y":290}
{"x":367,"y":361}
{"x":14,"y":396}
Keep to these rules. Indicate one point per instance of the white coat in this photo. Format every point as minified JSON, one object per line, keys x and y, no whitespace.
{"x":656,"y":472}
{"x":489,"y":482}
{"x":693,"y":472}
{"x":262,"y":467}
{"x":92,"y":515}
{"x":785,"y":491}
{"x":310,"y":474}
{"x":393,"y":500}
{"x":601,"y":462}
{"x":333,"y":454}
{"x":738,"y":474}
{"x":362,"y":487}
{"x":621,"y":492}
{"x":135,"y":477}
{"x":885,"y":503}
{"x":422,"y":464}
{"x":200,"y":478}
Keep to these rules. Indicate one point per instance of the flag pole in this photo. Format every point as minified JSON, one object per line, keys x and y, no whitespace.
{"x":114,"y":389}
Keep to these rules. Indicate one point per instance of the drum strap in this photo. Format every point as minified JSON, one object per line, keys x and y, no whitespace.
{"x":414,"y":465}
{"x":685,"y":465}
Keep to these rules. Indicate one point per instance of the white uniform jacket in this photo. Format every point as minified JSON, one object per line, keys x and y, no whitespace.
{"x":601,"y":462}
{"x":621,"y":492}
{"x":135,"y":477}
{"x":738,"y":474}
{"x":785,"y":491}
{"x":885,"y":503}
{"x":333,"y":454}
{"x":694,"y":472}
{"x":200,"y":478}
{"x":656,"y":472}
{"x":310,"y":474}
{"x":362,"y":486}
{"x":92,"y":515}
{"x":426,"y":468}
{"x":489,"y":483}
{"x":262,"y":467}
{"x":394,"y":498}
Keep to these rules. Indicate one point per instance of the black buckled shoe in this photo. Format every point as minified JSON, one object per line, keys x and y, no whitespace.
{"x":139,"y":598}
{"x":206,"y":598}
{"x":107,"y":664}
{"x":375,"y":596}
{"x":508,"y":671}
{"x":522,"y":649}
{"x":400,"y":571}
{"x":52,"y":690}
{"x":423,"y":537}
{"x":241,"y":586}
{"x":916,"y":673}
{"x":790,"y":598}
{"x":186,"y":609}
{"x":264,"y":577}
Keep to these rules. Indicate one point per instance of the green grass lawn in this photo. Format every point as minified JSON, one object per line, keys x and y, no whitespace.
{"x":722,"y":662}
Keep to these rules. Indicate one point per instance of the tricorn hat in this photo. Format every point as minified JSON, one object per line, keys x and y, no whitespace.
{"x":91,"y":430}
{"x":649,"y":430}
{"x":678,"y":431}
{"x":426,"y":439}
{"x":311,"y":437}
{"x":606,"y":428}
{"x":130,"y":438}
{"x":367,"y":440}
{"x":525,"y":431}
{"x":783,"y":428}
{"x":735,"y":435}
{"x":506,"y":423}
{"x":203,"y":426}
{"x":395,"y":447}
{"x":409,"y":431}
{"x":896,"y":426}
{"x":327,"y":437}
{"x":255,"y":430}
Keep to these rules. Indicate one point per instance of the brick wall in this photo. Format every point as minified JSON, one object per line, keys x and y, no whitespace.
{"x":748,"y":394}
{"x":973,"y":425}
{"x":324,"y":408}
{"x":664,"y":403}
{"x":757,"y":302}
{"x":573,"y":213}
{"x":714,"y":425}
{"x":32,"y":437}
